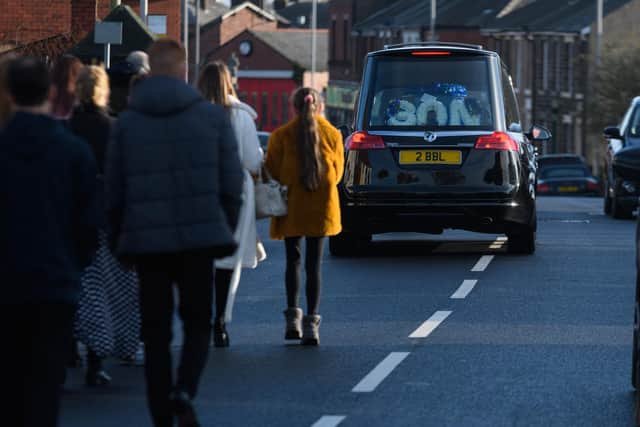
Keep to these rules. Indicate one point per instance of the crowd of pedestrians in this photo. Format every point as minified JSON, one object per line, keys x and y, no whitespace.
{"x":121,"y":186}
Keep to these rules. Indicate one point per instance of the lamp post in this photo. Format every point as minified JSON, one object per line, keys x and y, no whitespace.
{"x":197,"y":38}
{"x":432,"y":28}
{"x":185,"y":34}
{"x":314,"y":40}
{"x":599,"y":31}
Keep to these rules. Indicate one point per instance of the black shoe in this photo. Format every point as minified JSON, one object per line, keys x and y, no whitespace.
{"x":183,"y":409}
{"x":220,"y":335}
{"x":95,"y":378}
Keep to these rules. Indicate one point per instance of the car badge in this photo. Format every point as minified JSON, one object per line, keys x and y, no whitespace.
{"x":430,"y":136}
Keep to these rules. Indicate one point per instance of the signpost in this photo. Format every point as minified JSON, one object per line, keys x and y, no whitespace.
{"x":107,"y":33}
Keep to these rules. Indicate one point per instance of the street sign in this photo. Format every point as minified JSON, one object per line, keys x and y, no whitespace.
{"x":108,"y":33}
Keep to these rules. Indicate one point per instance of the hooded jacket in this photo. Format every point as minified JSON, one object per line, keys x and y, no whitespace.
{"x":173,"y":177}
{"x":48,"y":211}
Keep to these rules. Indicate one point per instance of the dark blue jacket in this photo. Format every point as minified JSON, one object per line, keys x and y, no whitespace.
{"x":173,"y":175}
{"x":48,"y":212}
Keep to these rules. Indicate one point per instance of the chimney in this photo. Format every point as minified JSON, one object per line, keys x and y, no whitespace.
{"x":83,"y":16}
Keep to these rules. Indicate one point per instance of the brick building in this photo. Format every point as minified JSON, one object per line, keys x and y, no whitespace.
{"x":24,"y":22}
{"x":271,"y":65}
{"x":361,"y":26}
{"x":546,"y":46}
{"x":219,"y":24}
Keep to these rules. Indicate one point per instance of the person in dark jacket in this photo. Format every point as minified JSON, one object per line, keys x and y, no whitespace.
{"x":48,"y":235}
{"x":108,"y":318}
{"x":173,"y":194}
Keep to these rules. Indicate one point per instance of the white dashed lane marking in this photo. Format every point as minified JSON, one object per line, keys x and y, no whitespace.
{"x":430,"y":325}
{"x":464,"y":289}
{"x":329,"y":421}
{"x":380,"y":372}
{"x":483,"y":263}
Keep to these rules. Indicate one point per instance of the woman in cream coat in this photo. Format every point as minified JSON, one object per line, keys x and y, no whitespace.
{"x":215,"y":85}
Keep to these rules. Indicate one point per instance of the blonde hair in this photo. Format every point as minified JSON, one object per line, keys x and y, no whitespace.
{"x":214,"y":83}
{"x":92,"y":87}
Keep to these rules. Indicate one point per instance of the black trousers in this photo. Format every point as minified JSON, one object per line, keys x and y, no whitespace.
{"x":192,"y":273}
{"x":38,"y":341}
{"x":312,"y":264}
{"x":222,"y":281}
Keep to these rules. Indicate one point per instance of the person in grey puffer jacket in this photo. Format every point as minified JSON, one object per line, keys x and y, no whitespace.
{"x":173,"y":194}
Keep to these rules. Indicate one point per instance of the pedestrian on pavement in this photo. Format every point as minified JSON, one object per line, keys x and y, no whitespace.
{"x":173,"y":194}
{"x":214,"y":84}
{"x":64,"y":75}
{"x":5,"y":103}
{"x":108,"y":317}
{"x":48,"y":224}
{"x":307,"y":156}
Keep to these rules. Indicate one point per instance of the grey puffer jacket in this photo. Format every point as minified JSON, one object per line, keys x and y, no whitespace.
{"x":173,"y":177}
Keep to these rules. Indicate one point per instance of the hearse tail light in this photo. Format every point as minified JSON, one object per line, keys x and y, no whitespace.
{"x":364,"y":141}
{"x":592,"y":185}
{"x":497,"y":141}
{"x":543,"y":188}
{"x":430,"y":53}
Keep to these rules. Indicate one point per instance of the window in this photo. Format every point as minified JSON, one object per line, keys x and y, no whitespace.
{"x":430,"y":93}
{"x":345,"y":38}
{"x":545,"y":65}
{"x":274,"y":109}
{"x":264,"y":110}
{"x":558,"y":65}
{"x":254,"y":100}
{"x":157,"y":24}
{"x":285,"y":107}
{"x":510,"y":103}
{"x":570,"y":67}
{"x":243,"y":97}
{"x":410,"y":36}
{"x":333,"y":39}
{"x":634,"y":124}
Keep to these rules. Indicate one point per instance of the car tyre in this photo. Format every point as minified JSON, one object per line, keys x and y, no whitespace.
{"x":522,"y":240}
{"x":607,"y":200}
{"x":348,"y":244}
{"x":635,"y":356}
{"x":618,"y":211}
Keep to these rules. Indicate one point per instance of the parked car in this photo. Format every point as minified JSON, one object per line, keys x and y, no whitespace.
{"x":263,"y":136}
{"x":438,"y":144}
{"x":626,"y":164}
{"x":564,"y":179}
{"x":621,"y":195}
{"x":564,"y":159}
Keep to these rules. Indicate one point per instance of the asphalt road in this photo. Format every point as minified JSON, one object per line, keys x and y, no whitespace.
{"x":413,"y":336}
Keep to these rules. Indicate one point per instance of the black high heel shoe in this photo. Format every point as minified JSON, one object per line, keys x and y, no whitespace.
{"x":220,"y":335}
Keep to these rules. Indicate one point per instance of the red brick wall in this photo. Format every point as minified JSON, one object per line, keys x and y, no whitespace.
{"x":263,"y":56}
{"x":215,"y":35}
{"x":171,"y":8}
{"x":28,"y":20}
{"x":245,"y":18}
{"x":83,"y":15}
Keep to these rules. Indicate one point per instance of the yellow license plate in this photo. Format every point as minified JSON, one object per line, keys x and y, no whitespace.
{"x":568,"y":189}
{"x":430,"y":157}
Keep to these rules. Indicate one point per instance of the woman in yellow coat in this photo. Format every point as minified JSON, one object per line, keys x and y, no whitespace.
{"x":306,"y":155}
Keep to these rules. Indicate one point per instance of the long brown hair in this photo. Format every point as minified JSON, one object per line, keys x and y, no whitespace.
{"x":63,"y":76}
{"x":214,"y":83}
{"x":306,"y":102}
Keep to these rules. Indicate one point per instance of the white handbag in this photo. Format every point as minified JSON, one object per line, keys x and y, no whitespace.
{"x":271,"y":196}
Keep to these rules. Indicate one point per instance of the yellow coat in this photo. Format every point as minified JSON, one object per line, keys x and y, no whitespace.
{"x":311,"y":214}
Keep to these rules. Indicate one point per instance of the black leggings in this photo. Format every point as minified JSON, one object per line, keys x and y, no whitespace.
{"x":313,"y":261}
{"x":222,"y":281}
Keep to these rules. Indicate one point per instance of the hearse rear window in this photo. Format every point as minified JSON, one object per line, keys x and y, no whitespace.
{"x":429,"y":93}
